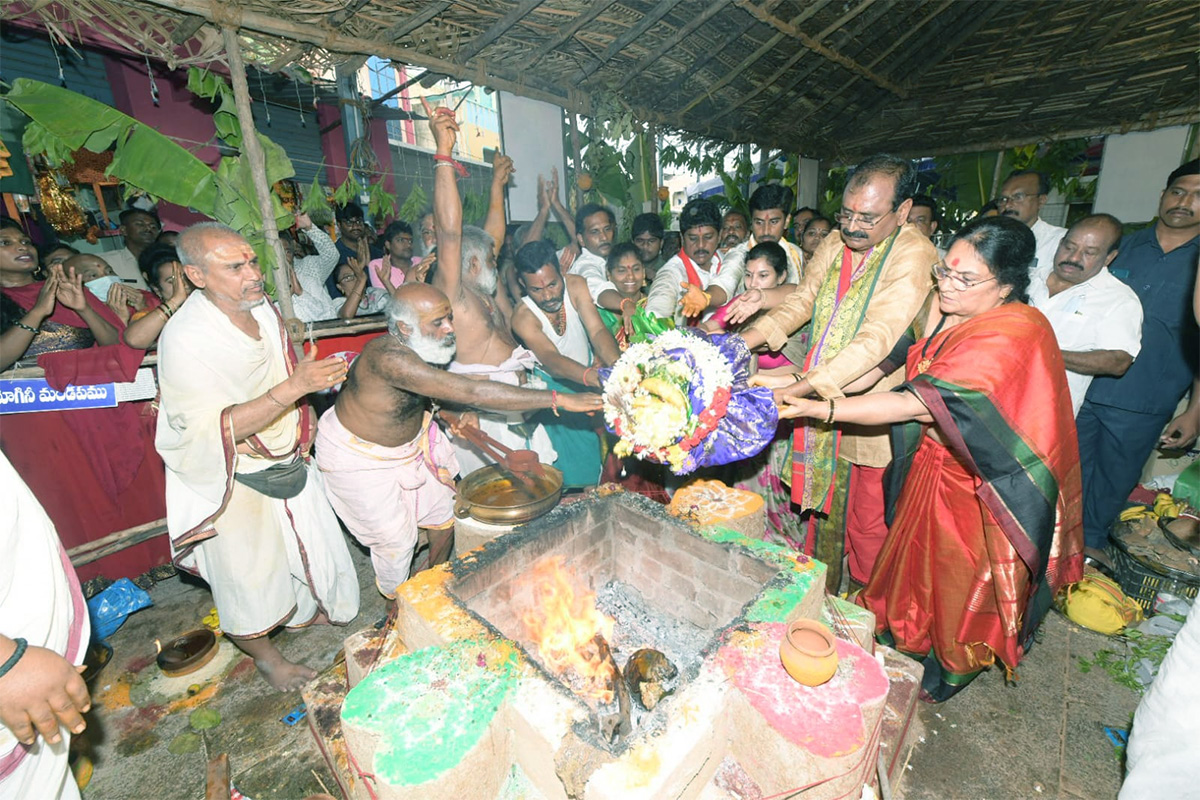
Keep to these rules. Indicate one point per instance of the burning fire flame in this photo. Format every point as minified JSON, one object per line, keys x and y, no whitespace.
{"x":563,"y":623}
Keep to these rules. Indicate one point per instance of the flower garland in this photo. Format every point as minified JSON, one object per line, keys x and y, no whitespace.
{"x":651,"y":395}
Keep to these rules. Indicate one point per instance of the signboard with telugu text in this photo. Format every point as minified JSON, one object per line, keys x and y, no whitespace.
{"x":21,"y":396}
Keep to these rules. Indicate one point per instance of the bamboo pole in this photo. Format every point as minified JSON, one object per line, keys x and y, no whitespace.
{"x":578,"y":163}
{"x":115,"y":542}
{"x":995,"y":176}
{"x":258,"y":168}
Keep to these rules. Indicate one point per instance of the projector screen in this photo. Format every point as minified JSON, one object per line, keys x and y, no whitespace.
{"x":532,"y":135}
{"x":1134,"y":170}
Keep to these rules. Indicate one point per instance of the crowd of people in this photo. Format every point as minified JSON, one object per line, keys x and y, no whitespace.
{"x":957,"y":426}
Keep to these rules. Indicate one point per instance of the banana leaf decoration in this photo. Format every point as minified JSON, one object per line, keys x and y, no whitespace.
{"x":62,"y":121}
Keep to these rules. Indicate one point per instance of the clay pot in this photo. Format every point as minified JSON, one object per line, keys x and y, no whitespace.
{"x":809,"y":652}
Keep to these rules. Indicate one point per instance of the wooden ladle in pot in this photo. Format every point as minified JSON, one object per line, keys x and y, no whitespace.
{"x":522,"y":464}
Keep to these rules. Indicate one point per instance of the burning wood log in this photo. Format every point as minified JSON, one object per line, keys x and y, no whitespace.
{"x":651,"y":676}
{"x":613,"y":716}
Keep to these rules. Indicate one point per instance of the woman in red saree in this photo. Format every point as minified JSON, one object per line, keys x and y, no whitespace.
{"x":45,"y":316}
{"x":94,"y":470}
{"x":984,"y":498}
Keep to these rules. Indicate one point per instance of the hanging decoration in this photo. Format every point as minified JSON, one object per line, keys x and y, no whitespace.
{"x":299,"y":103}
{"x":59,"y":206}
{"x":153,"y":83}
{"x":62,"y":79}
{"x":266,"y":104}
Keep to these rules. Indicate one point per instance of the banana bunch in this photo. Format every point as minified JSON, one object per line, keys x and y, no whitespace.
{"x":1164,"y":506}
{"x":665,"y":392}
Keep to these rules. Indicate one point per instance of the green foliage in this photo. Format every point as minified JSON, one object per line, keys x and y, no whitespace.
{"x":1135,"y":646}
{"x":699,"y":154}
{"x":735,"y":197}
{"x":835,"y":185}
{"x":414,"y":204}
{"x":38,"y":139}
{"x":148,"y":162}
{"x":349,"y":191}
{"x":316,"y":204}
{"x":475,"y":207}
{"x":213,"y":87}
{"x":64,"y":121}
{"x":380,"y":202}
{"x":965,"y":179}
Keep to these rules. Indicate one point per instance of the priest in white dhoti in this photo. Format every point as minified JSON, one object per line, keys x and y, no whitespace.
{"x":43,"y":637}
{"x":246,"y":510}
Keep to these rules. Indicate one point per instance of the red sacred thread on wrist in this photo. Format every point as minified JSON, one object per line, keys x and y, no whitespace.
{"x":554,"y":402}
{"x":458,"y":167}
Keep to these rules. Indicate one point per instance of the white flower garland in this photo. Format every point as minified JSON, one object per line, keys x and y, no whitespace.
{"x":646,"y":420}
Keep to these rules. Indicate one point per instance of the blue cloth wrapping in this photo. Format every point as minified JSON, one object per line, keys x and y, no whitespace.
{"x":750,"y":420}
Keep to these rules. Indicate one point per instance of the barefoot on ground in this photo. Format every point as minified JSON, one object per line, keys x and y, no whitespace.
{"x":283,"y":675}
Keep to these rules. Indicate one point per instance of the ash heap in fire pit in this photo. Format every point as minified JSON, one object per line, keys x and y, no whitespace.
{"x":609,"y":650}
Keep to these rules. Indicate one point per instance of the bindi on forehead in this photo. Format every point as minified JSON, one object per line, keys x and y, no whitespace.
{"x":954,"y":262}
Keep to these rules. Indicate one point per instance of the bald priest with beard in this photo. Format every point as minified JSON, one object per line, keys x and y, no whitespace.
{"x":389,"y":470}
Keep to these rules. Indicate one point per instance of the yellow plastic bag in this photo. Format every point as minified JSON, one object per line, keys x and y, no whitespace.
{"x":1097,"y":603}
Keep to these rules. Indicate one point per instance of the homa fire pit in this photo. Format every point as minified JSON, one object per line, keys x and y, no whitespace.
{"x":504,"y":675}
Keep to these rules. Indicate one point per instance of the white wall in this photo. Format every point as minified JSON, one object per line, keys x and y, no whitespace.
{"x":532,"y":135}
{"x":809,"y":175}
{"x":1134,"y":170}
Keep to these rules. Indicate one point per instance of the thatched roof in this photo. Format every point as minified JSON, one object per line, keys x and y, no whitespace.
{"x":826,"y":78}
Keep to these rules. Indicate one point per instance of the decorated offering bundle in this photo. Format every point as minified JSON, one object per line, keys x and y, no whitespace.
{"x":682,"y":400}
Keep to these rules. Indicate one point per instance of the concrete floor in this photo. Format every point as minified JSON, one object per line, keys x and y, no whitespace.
{"x":1042,"y":738}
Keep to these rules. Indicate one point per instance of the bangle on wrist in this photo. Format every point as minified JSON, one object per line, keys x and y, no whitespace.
{"x":629,"y":300}
{"x":829,"y":419}
{"x":554,"y":402}
{"x":29,"y":328}
{"x":7,"y":666}
{"x":439,"y":159}
{"x":798,"y":377}
{"x":585,"y":373}
{"x":271,"y":397}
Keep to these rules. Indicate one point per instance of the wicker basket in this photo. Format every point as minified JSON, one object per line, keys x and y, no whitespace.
{"x":1142,"y":580}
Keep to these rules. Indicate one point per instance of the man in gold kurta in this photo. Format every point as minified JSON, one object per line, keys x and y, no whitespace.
{"x":862,"y":290}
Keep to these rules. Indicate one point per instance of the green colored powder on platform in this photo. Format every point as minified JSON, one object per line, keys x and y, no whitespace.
{"x":431,"y":707}
{"x":768,"y":551}
{"x":777,"y":600}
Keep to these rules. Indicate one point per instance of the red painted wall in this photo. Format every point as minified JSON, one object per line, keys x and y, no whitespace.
{"x":179,"y":114}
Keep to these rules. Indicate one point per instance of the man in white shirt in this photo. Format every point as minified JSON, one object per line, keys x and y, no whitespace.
{"x":595,"y":229}
{"x":140,"y":229}
{"x":1096,"y":318}
{"x":1022,"y":196}
{"x":770,"y":214}
{"x":686,"y":288}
